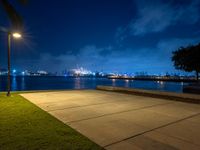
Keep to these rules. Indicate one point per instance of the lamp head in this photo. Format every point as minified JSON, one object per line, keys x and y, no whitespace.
{"x":16,"y":35}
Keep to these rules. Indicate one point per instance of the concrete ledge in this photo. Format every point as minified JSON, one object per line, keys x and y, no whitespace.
{"x":189,"y":98}
{"x":193,"y":89}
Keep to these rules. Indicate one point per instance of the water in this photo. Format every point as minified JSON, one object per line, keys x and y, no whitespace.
{"x":21,"y":83}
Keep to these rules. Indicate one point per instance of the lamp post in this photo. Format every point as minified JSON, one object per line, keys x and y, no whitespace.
{"x":15,"y":35}
{"x":8,"y":82}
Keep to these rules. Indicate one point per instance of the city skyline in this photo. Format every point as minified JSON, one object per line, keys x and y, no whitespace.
{"x":111,"y":36}
{"x":85,"y":72}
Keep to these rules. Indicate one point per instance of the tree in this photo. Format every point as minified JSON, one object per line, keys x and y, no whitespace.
{"x":15,"y":18}
{"x":187,"y":59}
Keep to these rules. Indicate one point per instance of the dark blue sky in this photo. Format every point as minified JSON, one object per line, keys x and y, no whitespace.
{"x":103,"y":35}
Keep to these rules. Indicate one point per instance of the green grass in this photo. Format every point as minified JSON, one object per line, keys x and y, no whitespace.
{"x":25,"y":126}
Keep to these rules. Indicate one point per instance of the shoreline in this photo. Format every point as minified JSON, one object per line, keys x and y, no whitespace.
{"x":118,"y":78}
{"x":153,"y":79}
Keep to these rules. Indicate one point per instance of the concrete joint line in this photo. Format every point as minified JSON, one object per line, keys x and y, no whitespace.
{"x":119,"y":112}
{"x":152,"y":129}
{"x":80,"y":106}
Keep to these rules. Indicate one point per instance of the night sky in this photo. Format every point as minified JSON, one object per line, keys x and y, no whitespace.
{"x":102,"y":35}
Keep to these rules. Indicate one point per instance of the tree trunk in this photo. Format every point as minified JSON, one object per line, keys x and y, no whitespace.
{"x":197,"y":76}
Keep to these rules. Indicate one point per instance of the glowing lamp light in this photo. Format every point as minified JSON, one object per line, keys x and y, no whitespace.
{"x":16,"y":35}
{"x":14,"y":71}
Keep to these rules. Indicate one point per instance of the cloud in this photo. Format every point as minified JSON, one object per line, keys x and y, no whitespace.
{"x":156,"y":16}
{"x":175,"y":43}
{"x":164,"y":49}
{"x":89,"y":57}
{"x":110,"y":59}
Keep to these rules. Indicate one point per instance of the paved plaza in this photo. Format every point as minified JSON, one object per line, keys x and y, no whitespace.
{"x":119,"y":121}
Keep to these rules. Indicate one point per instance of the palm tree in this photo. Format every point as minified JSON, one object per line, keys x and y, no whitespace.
{"x":14,"y":16}
{"x":188,"y":59}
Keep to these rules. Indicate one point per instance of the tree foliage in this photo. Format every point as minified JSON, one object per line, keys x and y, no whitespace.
{"x":187,"y":59}
{"x":14,"y":16}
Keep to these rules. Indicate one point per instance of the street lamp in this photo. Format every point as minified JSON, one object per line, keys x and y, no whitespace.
{"x":15,"y":35}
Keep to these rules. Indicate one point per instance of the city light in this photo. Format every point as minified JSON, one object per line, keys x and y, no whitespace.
{"x":81,"y":72}
{"x":14,"y":71}
{"x":126,"y":80}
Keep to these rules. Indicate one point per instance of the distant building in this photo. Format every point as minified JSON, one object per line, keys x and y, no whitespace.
{"x":42,"y":72}
{"x":79,"y":72}
{"x":27,"y":73}
{"x":3,"y":72}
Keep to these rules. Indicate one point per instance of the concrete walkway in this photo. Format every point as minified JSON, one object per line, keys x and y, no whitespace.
{"x":120,"y":121}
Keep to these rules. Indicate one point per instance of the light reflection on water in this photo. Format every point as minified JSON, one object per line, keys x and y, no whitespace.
{"x":23,"y":85}
{"x":113,"y":82}
{"x":126,"y":83}
{"x":14,"y":83}
{"x":161,"y":84}
{"x":50,"y":83}
{"x":77,"y":83}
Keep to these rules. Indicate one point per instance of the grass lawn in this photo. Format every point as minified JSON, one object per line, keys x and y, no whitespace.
{"x":25,"y":126}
